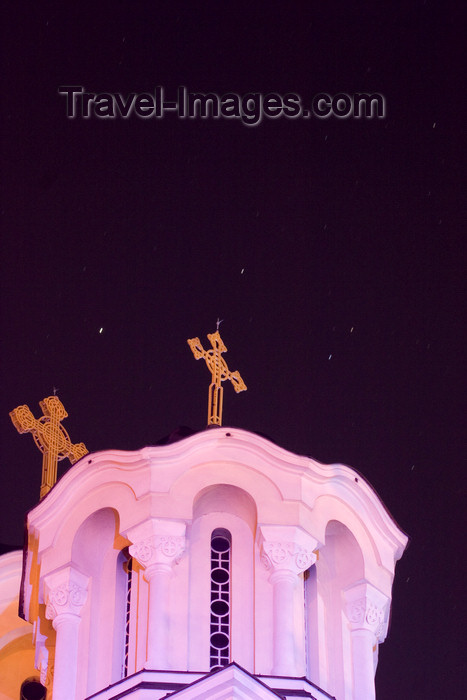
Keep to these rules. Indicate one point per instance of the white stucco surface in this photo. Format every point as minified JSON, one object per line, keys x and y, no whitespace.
{"x":313,"y":552}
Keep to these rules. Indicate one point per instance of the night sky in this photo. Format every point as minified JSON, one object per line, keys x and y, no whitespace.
{"x":330,"y":248}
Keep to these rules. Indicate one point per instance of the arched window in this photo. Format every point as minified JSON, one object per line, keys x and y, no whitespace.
{"x":221,"y":544}
{"x":94,"y":554}
{"x":32,"y":689}
{"x":226,"y":512}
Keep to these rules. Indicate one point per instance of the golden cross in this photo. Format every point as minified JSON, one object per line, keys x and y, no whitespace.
{"x":50,"y":437}
{"x":219,"y":372}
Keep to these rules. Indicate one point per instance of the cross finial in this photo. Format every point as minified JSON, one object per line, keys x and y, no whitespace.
{"x":219,"y":373}
{"x":50,"y":437}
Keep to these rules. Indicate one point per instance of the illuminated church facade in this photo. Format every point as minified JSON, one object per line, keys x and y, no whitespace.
{"x":217,"y":566}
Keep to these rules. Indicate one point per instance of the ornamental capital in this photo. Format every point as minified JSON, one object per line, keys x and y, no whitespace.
{"x":158,"y":549}
{"x":287,"y":549}
{"x":157,"y":541}
{"x":367,"y":608}
{"x":65,"y":592}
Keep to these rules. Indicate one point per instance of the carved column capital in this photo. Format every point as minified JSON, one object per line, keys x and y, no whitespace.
{"x":367,"y":609}
{"x":65,"y":592}
{"x":157,"y":543}
{"x":287,"y":549}
{"x":287,"y":556}
{"x":158,"y":549}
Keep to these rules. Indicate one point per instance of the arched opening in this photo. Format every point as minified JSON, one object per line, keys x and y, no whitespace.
{"x":94,"y":553}
{"x":225,"y":498}
{"x":221,"y":589}
{"x":340,"y":564}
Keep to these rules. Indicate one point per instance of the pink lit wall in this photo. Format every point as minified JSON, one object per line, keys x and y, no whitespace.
{"x":310,"y":572}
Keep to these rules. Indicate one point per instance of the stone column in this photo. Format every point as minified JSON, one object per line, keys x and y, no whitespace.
{"x":286,"y":552}
{"x":158,"y":545}
{"x":366,"y":610}
{"x":65,"y":595}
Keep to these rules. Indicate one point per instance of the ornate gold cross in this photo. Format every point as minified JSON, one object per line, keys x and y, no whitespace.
{"x":50,"y":437}
{"x":219,"y":372}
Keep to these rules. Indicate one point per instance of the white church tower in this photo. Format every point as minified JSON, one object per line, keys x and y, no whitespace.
{"x":215,"y":567}
{"x":219,"y":566}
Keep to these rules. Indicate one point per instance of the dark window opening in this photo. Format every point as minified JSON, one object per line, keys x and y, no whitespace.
{"x":129,"y":571}
{"x":219,"y":653}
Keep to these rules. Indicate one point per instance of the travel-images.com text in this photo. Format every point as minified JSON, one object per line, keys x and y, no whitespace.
{"x":250,"y":108}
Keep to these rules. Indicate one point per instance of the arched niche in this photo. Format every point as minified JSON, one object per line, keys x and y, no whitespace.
{"x":93,"y":539}
{"x":229,"y":508}
{"x":95,"y":552}
{"x":58,"y":529}
{"x":191,"y":485}
{"x":341,"y":558}
{"x":225,"y":498}
{"x":340,"y":564}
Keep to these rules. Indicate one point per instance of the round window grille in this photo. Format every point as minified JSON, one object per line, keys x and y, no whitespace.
{"x":220,"y":599}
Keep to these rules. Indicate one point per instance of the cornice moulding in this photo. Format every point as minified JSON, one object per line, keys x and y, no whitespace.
{"x":155,"y":470}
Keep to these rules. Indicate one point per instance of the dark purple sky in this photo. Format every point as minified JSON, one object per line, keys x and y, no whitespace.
{"x":294,"y":232}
